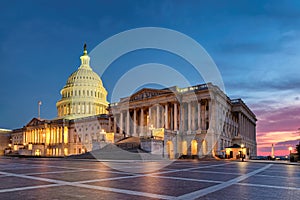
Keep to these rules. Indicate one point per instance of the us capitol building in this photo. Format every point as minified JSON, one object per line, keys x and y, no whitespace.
{"x":174,"y":122}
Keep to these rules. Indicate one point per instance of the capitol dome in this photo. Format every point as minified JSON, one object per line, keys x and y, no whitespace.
{"x":84,"y":94}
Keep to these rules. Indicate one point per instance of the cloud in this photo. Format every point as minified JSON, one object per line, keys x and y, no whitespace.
{"x":288,"y":143}
{"x":243,"y":47}
{"x":272,"y":119}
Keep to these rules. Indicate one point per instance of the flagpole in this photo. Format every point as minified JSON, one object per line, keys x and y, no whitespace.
{"x":39,"y":109}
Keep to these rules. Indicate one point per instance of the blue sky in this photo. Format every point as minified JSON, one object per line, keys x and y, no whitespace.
{"x":255,"y":44}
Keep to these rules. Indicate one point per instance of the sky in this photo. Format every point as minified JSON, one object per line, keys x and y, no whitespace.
{"x":255,"y":45}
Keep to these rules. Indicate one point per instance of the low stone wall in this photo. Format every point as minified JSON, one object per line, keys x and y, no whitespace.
{"x":153,"y":146}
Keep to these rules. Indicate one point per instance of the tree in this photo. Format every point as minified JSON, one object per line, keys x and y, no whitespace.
{"x":298,"y":148}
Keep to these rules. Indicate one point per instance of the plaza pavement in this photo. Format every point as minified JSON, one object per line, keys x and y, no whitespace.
{"x":43,"y":178}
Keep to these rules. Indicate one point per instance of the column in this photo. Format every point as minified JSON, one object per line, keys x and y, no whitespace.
{"x":115,"y":124}
{"x":243,"y":126}
{"x":51,"y":135}
{"x":182,"y":117}
{"x":199,"y":115}
{"x":166,"y":117}
{"x":157,"y":117}
{"x":150,"y":117}
{"x":61,"y":136}
{"x":57,"y":134}
{"x":175,"y":117}
{"x":35,"y":135}
{"x":128,"y":123}
{"x":54,"y":135}
{"x":193,"y":117}
{"x":121,"y":122}
{"x":63,"y":140}
{"x":189,"y":116}
{"x":142,"y":123}
{"x":109,"y":124}
{"x":240,"y":125}
{"x":134,"y":122}
{"x":210,"y":114}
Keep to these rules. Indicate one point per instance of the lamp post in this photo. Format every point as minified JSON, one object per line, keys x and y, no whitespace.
{"x":290,"y":148}
{"x":242,"y":154}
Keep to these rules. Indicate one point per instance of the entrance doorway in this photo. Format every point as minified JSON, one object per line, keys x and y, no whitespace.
{"x":37,"y":152}
{"x":194,"y":147}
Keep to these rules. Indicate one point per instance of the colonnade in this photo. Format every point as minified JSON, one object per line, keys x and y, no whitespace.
{"x":187,"y":117}
{"x":81,"y":108}
{"x":48,"y":136}
{"x":247,"y":128}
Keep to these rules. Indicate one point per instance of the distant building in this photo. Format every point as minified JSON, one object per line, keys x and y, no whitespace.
{"x":4,"y":140}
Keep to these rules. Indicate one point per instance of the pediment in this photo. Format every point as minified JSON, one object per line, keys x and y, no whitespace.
{"x":147,"y":93}
{"x":35,"y":122}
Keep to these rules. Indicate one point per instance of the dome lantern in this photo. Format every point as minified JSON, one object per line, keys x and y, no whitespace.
{"x":85,"y":59}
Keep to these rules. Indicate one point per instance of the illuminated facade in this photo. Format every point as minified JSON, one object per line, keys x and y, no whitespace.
{"x":194,"y":121}
{"x":81,"y":123}
{"x":61,"y":137}
{"x":5,"y":144}
{"x":197,"y":121}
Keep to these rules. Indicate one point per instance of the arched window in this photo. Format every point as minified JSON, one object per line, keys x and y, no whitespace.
{"x":170,"y":149}
{"x":194,"y":147}
{"x":184,"y":148}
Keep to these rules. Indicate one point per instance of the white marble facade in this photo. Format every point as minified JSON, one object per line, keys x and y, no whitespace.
{"x":199,"y":120}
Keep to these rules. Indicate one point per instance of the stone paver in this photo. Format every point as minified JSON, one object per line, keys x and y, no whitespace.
{"x":76,"y":179}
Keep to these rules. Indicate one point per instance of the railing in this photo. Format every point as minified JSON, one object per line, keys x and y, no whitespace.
{"x":193,"y":88}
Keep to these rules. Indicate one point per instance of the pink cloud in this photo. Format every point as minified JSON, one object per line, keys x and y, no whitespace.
{"x":282,"y":119}
{"x":277,"y":126}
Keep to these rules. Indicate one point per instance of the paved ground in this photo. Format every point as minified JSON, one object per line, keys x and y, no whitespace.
{"x":69,"y":179}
